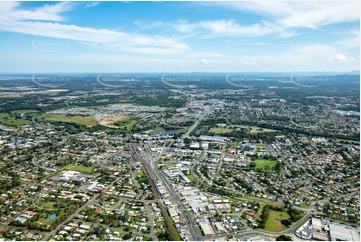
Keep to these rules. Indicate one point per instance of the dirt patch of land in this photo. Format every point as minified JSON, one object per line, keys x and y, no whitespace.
{"x":109,"y":121}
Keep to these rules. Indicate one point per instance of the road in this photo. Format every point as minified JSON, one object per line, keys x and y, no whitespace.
{"x":289,"y":231}
{"x":182,"y":209}
{"x":151,"y":220}
{"x":150,"y":175}
{"x":206,"y":112}
{"x":194,"y":173}
{"x":194,"y":234}
{"x":219,"y":167}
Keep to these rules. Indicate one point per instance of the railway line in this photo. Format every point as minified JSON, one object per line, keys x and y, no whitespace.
{"x":150,"y":174}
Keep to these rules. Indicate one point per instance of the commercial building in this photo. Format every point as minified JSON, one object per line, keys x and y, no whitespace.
{"x":206,"y":229}
{"x":172,"y":212}
{"x":343,"y":234}
{"x":316,"y":224}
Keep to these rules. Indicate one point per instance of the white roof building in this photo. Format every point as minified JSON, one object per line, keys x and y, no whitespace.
{"x":172,"y":212}
{"x":342,"y":233}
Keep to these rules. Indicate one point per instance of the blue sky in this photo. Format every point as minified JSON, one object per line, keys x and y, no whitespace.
{"x":38,"y":37}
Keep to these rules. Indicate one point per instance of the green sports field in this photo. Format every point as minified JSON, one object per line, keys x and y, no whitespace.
{"x":264,"y":164}
{"x":79,"y":168}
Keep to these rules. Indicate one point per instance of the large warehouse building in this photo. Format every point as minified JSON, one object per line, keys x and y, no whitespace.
{"x":343,"y":234}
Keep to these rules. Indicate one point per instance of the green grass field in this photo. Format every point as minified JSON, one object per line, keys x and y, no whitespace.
{"x":5,"y":119}
{"x":147,"y":238}
{"x":251,"y":199}
{"x":190,"y":99}
{"x":260,"y":147}
{"x":131,"y":124}
{"x":141,"y":173}
{"x":48,"y":205}
{"x":71,"y":119}
{"x":160,"y":224}
{"x":221,"y":130}
{"x":261,"y":206}
{"x":43,"y":221}
{"x":192,"y":178}
{"x":79,"y":168}
{"x":302,"y":205}
{"x":25,"y":111}
{"x":273,"y":222}
{"x":262,"y":164}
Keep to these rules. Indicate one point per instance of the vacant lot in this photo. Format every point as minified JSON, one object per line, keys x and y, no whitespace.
{"x":274,"y":221}
{"x":260,"y":130}
{"x":48,"y":205}
{"x":221,"y":130}
{"x":72,"y":119}
{"x":79,"y":168}
{"x":109,"y":121}
{"x":192,"y":178}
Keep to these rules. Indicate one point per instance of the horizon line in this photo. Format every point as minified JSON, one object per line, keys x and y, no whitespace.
{"x":164,"y":72}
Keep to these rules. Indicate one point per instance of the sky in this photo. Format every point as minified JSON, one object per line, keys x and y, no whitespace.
{"x":184,"y":36}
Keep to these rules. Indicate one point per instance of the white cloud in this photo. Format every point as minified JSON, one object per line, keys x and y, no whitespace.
{"x":230,"y":28}
{"x":318,"y":14}
{"x":341,"y":58}
{"x":184,"y":26}
{"x":179,"y":25}
{"x":282,"y":18}
{"x":92,"y":4}
{"x":299,"y":14}
{"x":207,"y":62}
{"x":219,"y":28}
{"x":9,"y":12}
{"x":154,"y":24}
{"x":212,"y":62}
{"x":20,"y":21}
{"x":222,"y":27}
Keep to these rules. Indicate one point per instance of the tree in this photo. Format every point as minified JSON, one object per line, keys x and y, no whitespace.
{"x":164,"y":236}
{"x":284,"y":237}
{"x":128,"y":236}
{"x":286,"y":222}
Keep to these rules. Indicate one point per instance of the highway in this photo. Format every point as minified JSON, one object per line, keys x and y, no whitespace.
{"x":193,"y":232}
{"x":206,"y":112}
{"x":194,"y":235}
